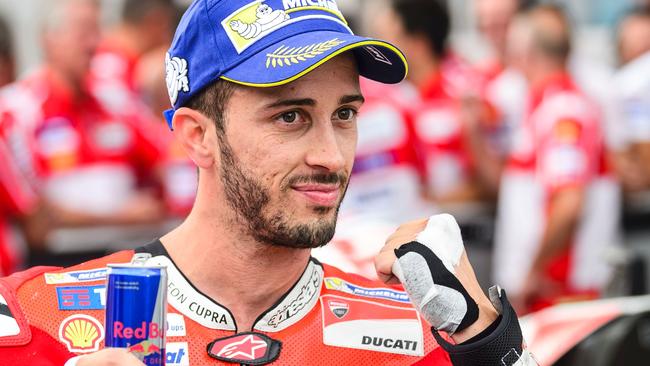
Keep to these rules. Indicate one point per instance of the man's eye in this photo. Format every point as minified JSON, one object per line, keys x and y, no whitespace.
{"x":345,"y":114}
{"x":289,"y":117}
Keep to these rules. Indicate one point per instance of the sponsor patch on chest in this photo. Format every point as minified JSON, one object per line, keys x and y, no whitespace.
{"x":372,"y":326}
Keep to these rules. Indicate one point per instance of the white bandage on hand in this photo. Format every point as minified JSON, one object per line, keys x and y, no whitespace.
{"x":426,"y":268}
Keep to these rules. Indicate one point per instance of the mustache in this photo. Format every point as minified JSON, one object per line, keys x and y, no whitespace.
{"x":323,"y":178}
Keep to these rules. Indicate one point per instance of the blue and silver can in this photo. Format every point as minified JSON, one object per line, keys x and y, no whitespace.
{"x":136,"y":309}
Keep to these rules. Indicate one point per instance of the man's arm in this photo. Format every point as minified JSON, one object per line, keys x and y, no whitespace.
{"x":429,"y":259}
{"x":564,"y":211}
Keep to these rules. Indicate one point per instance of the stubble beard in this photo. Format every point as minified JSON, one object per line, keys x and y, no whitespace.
{"x":250,"y":200}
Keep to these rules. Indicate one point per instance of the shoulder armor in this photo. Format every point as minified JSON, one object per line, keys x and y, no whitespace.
{"x":14,"y":328}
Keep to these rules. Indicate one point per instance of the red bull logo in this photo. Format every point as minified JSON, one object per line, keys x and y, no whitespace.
{"x":144,"y":348}
{"x":144,"y":331}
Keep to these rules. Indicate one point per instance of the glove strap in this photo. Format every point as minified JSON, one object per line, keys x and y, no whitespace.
{"x":504,"y":346}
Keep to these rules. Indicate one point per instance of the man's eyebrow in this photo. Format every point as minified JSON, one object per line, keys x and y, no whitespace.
{"x":292,"y":102}
{"x":352,"y":98}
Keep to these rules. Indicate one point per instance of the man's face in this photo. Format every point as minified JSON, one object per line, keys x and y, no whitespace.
{"x":634,"y":38}
{"x":71,"y":44}
{"x":389,"y":27}
{"x":287,"y":154}
{"x":493,"y":18}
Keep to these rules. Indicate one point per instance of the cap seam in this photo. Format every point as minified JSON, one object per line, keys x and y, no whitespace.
{"x":214,"y":76}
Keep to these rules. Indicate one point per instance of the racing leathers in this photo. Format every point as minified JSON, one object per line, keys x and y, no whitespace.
{"x":49,"y":315}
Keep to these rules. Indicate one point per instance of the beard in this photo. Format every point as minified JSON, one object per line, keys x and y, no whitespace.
{"x":250,"y":200}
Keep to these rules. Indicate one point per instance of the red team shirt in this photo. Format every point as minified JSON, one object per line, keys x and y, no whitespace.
{"x":113,"y":74}
{"x":16,"y":199}
{"x":559,"y":145}
{"x":73,"y":149}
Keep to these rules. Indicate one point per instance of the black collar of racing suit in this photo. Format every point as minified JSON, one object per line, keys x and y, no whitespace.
{"x":294,"y":305}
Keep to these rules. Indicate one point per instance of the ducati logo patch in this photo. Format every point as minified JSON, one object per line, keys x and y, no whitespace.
{"x":248,"y":348}
{"x":339,"y":308}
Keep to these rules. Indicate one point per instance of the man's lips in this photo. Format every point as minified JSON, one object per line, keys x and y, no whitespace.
{"x":320,"y":194}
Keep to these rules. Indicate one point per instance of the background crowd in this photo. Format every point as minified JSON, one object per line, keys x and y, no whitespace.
{"x":528,"y":120}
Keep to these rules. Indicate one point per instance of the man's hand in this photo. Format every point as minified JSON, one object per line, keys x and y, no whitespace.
{"x":109,"y":357}
{"x":435,"y":271}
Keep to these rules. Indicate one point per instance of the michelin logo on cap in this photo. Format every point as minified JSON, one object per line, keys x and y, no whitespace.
{"x":258,"y":19}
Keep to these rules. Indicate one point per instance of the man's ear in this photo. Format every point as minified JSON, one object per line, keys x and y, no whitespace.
{"x":197,"y":134}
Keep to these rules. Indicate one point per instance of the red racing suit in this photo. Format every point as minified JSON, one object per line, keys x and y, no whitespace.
{"x":49,"y":315}
{"x":375,"y":325}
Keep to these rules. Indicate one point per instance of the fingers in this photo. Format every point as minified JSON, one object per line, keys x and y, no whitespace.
{"x":109,"y":357}
{"x":405,"y":233}
{"x":384,"y":266}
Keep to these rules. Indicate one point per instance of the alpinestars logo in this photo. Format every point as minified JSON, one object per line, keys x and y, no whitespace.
{"x":245,"y":348}
{"x":307,"y":293}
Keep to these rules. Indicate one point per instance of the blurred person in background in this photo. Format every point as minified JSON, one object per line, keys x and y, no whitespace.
{"x":630,"y":109}
{"x":558,"y":203}
{"x":17,"y":202}
{"x":90,"y":166}
{"x":449,"y":141}
{"x":7,"y":62}
{"x":179,"y":174}
{"x":146,"y":25}
{"x":505,"y":88}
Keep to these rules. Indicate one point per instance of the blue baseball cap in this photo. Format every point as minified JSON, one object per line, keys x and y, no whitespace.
{"x":266,"y":43}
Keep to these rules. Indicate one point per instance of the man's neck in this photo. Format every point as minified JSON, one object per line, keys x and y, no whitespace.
{"x":128,"y":39}
{"x":245,"y":276}
{"x":421,"y":70}
{"x":65,"y":81}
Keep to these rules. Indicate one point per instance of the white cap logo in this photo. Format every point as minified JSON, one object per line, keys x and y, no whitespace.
{"x":176,"y":76}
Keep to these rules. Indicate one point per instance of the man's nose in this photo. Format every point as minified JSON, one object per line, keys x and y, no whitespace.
{"x":325,"y":150}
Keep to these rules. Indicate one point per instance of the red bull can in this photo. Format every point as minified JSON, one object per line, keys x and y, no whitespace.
{"x":136,"y":309}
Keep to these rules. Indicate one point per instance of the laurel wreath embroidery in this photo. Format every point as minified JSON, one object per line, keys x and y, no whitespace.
{"x":287,"y":56}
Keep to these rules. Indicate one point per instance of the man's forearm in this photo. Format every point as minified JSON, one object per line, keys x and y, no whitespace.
{"x":565,"y":209}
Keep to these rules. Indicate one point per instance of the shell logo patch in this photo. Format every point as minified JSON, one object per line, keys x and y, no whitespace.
{"x":81,"y":333}
{"x":286,"y":56}
{"x":251,"y":23}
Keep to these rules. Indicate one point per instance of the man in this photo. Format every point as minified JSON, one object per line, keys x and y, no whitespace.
{"x":558,"y":201}
{"x":264,"y":98}
{"x":66,"y":142}
{"x":505,"y":88}
{"x":17,"y":201}
{"x":630,"y":108}
{"x":7,"y":63}
{"x":146,"y":26}
{"x":450,"y":145}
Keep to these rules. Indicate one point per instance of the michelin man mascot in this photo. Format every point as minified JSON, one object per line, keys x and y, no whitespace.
{"x":267,"y":18}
